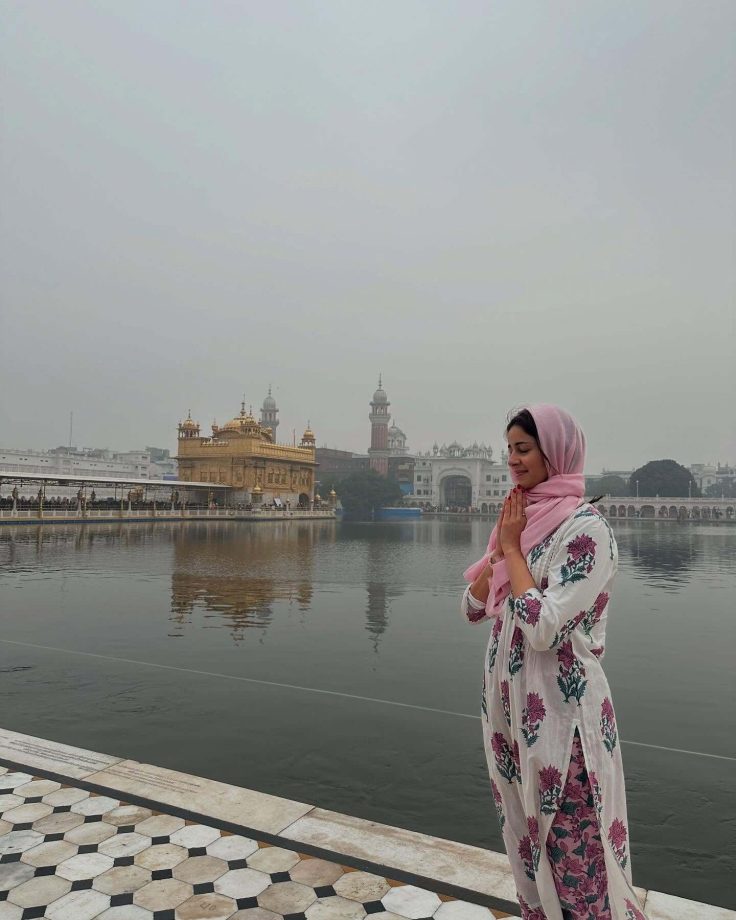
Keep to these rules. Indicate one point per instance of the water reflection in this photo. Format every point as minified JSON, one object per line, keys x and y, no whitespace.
{"x":236,"y":576}
{"x":667,"y":555}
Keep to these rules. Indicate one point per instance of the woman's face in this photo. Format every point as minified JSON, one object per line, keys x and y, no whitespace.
{"x":526,"y":462}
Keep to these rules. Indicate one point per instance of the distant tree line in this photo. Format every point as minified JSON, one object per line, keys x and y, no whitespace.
{"x":363,"y":492}
{"x":658,"y":477}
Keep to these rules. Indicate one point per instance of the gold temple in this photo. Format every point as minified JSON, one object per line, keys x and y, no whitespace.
{"x":244,"y":455}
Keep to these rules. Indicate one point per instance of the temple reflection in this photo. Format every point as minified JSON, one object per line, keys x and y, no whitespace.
{"x":235,"y":577}
{"x":381,"y":569}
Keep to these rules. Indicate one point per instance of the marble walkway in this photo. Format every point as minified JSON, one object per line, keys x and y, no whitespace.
{"x":86,"y":836}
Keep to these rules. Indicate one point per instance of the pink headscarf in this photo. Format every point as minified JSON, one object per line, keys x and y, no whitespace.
{"x":547,"y":504}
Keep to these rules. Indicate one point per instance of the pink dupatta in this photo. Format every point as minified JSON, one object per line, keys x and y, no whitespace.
{"x":549,"y":503}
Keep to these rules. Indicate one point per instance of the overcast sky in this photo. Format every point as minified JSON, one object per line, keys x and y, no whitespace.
{"x":491,"y":203}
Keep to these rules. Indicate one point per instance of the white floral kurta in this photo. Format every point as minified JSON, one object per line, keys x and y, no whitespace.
{"x":543,"y":680}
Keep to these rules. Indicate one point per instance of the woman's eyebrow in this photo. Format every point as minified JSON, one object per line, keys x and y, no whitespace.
{"x":518,"y":443}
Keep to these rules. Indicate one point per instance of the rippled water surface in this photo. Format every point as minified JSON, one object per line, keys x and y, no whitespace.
{"x":171,"y":618}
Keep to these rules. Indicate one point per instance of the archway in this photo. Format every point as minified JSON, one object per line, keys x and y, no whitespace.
{"x":612,"y":511}
{"x":647,"y":511}
{"x":303,"y":500}
{"x":484,"y":508}
{"x":456,"y":491}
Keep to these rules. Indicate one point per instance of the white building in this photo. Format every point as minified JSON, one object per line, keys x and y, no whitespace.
{"x":453,"y":476}
{"x":151,"y":463}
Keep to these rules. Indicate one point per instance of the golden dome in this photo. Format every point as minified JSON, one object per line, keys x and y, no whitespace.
{"x":241,"y":422}
{"x":257,"y":488}
{"x":188,"y":422}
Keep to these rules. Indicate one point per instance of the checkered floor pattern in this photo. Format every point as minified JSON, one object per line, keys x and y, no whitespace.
{"x":69,"y":854}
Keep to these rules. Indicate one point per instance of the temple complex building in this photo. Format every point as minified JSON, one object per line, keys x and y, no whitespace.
{"x":244,"y":455}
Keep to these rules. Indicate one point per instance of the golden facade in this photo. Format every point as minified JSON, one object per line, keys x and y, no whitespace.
{"x":243,"y":454}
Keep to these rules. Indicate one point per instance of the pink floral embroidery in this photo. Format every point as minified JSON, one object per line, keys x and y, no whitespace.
{"x":529,"y":848}
{"x":528,"y":609}
{"x":571,"y":673}
{"x":530,"y":913}
{"x":506,"y":763}
{"x":505,"y":702}
{"x":633,"y":912}
{"x":574,"y":846}
{"x":473,"y":615}
{"x":618,"y":837}
{"x":495,"y":635}
{"x":516,"y":653}
{"x":532,"y":717}
{"x":582,"y":545}
{"x":608,"y":726}
{"x":550,"y":787}
{"x":498,"y":802}
{"x":580,"y":559}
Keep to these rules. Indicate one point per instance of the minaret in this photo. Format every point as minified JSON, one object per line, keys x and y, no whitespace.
{"x":270,"y":413}
{"x":379,"y":418}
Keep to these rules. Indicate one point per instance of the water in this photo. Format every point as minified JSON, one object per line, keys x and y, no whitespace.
{"x":371,"y":611}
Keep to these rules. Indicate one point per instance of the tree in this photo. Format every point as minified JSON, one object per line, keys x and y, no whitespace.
{"x":367,"y":491}
{"x":665,"y":478}
{"x":725,"y":487}
{"x":607,"y":485}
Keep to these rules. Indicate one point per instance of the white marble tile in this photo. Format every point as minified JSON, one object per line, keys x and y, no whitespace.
{"x":85,"y":834}
{"x":39,"y":891}
{"x":27,"y":814}
{"x":125,"y":815}
{"x":232,"y":847}
{"x":19,"y":841}
{"x":10,"y":911}
{"x":255,"y":913}
{"x":287,"y":898}
{"x":667,"y":907}
{"x":273,"y":859}
{"x":206,"y":907}
{"x":122,"y":880}
{"x":362,"y":886}
{"x":95,"y":805}
{"x":318,"y":873}
{"x":198,"y":869}
{"x":124,"y":845}
{"x":58,"y":824}
{"x":412,"y":902}
{"x":38,"y":787}
{"x":125,"y":912}
{"x":84,"y":865}
{"x":15,"y":873}
{"x":335,"y":908}
{"x":195,"y":835}
{"x":5,"y":827}
{"x":49,"y":854}
{"x":13,"y":779}
{"x":160,"y":825}
{"x":445,"y":860}
{"x":161,"y":856}
{"x":242,"y":883}
{"x":66,"y":796}
{"x":9,"y":800}
{"x":37,"y":753}
{"x":78,"y":905}
{"x":164,"y":894}
{"x":217,"y":800}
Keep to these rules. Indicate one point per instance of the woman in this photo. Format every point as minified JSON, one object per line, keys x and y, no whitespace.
{"x":549,"y":727}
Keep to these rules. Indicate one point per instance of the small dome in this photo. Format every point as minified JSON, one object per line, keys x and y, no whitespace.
{"x":380,"y":395}
{"x":308,"y":435}
{"x":269,"y":402}
{"x":188,"y":422}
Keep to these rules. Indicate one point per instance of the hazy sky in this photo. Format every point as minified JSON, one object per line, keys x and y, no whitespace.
{"x":492,"y":203}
